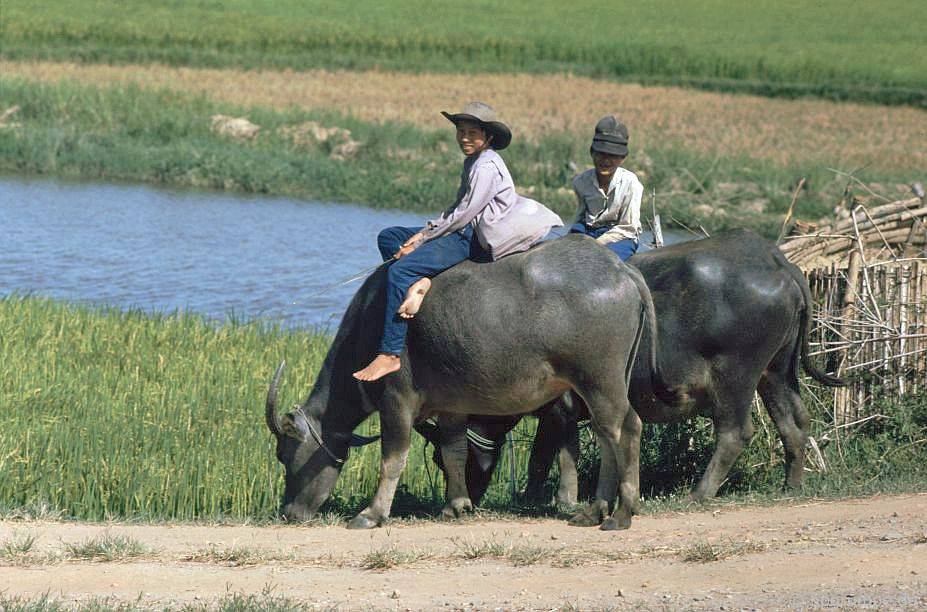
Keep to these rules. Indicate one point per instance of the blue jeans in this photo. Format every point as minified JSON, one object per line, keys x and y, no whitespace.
{"x":429,"y":259}
{"x":623,"y":248}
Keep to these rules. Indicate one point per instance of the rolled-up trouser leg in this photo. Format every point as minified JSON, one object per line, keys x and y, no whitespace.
{"x":623,"y":248}
{"x":579,"y":228}
{"x":390,"y":239}
{"x":429,"y":259}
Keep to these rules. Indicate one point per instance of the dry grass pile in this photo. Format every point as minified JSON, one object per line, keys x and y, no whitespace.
{"x":782,"y":131}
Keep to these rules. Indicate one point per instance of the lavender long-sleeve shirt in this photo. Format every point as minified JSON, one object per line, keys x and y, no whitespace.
{"x":503,"y":221}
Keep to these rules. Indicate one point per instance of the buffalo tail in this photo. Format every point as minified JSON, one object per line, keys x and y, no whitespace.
{"x":805,"y":324}
{"x":663,"y":391}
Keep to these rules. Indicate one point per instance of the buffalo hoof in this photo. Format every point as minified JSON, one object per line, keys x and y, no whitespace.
{"x":696,"y":498}
{"x":590,"y":516}
{"x":362,"y":522}
{"x":456,"y":509}
{"x":616,"y":523}
{"x":565,"y":503}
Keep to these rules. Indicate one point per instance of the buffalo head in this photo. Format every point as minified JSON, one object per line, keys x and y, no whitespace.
{"x":312,"y":458}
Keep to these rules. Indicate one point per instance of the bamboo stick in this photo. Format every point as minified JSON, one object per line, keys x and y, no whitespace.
{"x":902,"y":278}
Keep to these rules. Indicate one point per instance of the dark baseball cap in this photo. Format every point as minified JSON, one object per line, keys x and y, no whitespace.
{"x":611,"y":137}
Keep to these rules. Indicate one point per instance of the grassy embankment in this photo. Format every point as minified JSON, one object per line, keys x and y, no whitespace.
{"x":868,"y":52}
{"x":108,"y":414}
{"x":127,"y":132}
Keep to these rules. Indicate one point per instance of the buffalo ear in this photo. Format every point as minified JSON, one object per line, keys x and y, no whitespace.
{"x":357,"y":441}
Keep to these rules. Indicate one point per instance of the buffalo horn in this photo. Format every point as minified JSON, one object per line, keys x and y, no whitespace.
{"x":273,"y":421}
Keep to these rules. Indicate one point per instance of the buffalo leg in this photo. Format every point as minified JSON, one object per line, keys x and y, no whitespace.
{"x":480,"y":466}
{"x":556,"y":436}
{"x":629,"y":449}
{"x":607,"y":411}
{"x":595,"y":512}
{"x":396,"y":435}
{"x":733,"y":429}
{"x":568,"y":457}
{"x":485,"y":439}
{"x":454,"y":457}
{"x":783,"y":402}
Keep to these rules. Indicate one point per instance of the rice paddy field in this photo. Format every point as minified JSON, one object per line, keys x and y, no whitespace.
{"x":870,"y":51}
{"x":105,"y":413}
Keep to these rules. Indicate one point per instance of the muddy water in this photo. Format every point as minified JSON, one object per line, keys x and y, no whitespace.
{"x":217,"y":254}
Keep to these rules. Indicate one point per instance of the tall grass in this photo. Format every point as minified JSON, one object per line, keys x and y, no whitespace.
{"x":884,"y":455}
{"x":865,"y":51}
{"x":111,"y":414}
{"x":161,"y":136}
{"x":106,"y":413}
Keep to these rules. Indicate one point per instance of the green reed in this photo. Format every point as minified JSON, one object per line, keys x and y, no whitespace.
{"x":105,"y":413}
{"x":113,"y":414}
{"x":865,"y":51}
{"x":163,"y":137}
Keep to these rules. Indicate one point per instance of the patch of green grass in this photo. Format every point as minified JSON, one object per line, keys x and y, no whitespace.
{"x":233,"y":602}
{"x":787,"y":48}
{"x":17,"y":547}
{"x":31,"y":510}
{"x":528,"y":554}
{"x":237,"y":556}
{"x":471,"y":548}
{"x":495,"y":548}
{"x":265,"y":602}
{"x":107,"y":547}
{"x":391,"y":556}
{"x":48,"y":603}
{"x":704,"y":551}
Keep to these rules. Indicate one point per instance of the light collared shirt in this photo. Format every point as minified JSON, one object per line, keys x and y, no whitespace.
{"x":503,"y":221}
{"x":619,"y":209}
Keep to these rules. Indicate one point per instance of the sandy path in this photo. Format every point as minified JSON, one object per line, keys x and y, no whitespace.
{"x":852,"y":553}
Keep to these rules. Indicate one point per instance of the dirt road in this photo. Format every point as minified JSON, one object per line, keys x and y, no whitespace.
{"x":863,"y":553}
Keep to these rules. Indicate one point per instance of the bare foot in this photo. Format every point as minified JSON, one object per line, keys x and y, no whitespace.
{"x":414,"y":297}
{"x":382,"y":365}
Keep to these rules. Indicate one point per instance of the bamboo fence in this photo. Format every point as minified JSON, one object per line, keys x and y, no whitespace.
{"x":868,"y":275}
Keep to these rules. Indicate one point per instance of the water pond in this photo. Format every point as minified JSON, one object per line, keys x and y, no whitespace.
{"x":216,"y":254}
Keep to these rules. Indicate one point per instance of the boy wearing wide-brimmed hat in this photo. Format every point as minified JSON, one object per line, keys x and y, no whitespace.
{"x":487,"y":221}
{"x":609,"y":196}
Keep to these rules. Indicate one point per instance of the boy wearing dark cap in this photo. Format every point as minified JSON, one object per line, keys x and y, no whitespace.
{"x":609,"y":196}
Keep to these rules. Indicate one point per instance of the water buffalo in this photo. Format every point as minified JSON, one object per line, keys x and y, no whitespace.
{"x":496,"y":339}
{"x":733,"y":317}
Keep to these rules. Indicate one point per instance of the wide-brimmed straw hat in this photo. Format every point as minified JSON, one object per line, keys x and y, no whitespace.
{"x":611,"y":137}
{"x":483,"y":114}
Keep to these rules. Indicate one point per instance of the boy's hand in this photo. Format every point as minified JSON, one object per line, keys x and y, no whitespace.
{"x":404,"y":250}
{"x":409,"y":245}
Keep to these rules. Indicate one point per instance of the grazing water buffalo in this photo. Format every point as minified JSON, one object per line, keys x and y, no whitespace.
{"x":496,"y":339}
{"x":733,"y":317}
